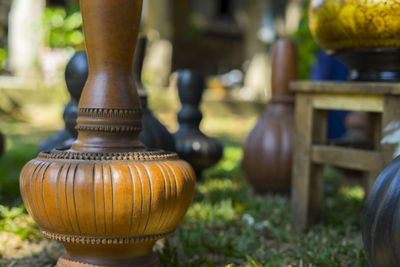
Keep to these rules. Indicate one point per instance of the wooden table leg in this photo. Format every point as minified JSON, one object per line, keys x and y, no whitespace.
{"x":316,"y":194}
{"x":370,"y":177}
{"x":301,"y":160}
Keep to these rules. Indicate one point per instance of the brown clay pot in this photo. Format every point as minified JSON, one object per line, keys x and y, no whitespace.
{"x":267,"y":159}
{"x":108,"y":198}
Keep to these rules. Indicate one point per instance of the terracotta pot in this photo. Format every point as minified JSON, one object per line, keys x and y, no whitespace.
{"x":108,"y":198}
{"x":267,"y":159}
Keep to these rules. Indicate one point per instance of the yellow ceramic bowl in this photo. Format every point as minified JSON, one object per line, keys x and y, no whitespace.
{"x":353,"y":24}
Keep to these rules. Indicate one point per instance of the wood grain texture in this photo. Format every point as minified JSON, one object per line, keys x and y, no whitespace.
{"x":107,"y":202}
{"x":355,"y":102}
{"x":355,"y":159}
{"x":301,"y":161}
{"x":108,"y":199}
{"x":316,"y":191}
{"x":113,"y":199}
{"x":111,"y":31}
{"x":346,"y":87}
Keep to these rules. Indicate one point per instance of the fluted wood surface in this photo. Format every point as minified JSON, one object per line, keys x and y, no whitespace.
{"x":130,"y":199}
{"x":108,"y":198}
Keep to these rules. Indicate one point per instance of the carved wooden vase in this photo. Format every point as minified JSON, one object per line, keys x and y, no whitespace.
{"x":267,"y":158}
{"x":192,"y":144}
{"x":108,"y":199}
{"x":76,"y":74}
{"x":154,"y":134}
{"x":365,"y":35}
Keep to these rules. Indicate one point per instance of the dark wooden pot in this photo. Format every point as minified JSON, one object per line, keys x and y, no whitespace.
{"x":381,"y":219}
{"x":268,"y":149}
{"x":192,"y":144}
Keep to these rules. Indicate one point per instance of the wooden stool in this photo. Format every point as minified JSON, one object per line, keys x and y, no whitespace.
{"x":311,"y":151}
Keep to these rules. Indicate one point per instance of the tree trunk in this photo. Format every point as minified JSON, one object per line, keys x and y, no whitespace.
{"x":159,"y":18}
{"x":25,"y":36}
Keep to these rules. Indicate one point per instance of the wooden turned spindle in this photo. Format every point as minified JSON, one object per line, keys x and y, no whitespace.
{"x":192,"y":144}
{"x":108,"y":199}
{"x":267,"y":159}
{"x":107,"y":119}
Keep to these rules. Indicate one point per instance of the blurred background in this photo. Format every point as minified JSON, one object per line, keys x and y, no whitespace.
{"x":228,"y":41}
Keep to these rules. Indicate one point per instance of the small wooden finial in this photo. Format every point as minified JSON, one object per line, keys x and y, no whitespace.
{"x":284,"y":67}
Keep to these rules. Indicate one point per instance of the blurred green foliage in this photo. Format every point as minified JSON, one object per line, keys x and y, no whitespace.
{"x":16,"y":221}
{"x":306,"y":47}
{"x":63,"y":27}
{"x":21,"y":146}
{"x":3,"y":58}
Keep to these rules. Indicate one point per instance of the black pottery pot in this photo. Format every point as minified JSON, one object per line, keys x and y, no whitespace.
{"x":193,"y":145}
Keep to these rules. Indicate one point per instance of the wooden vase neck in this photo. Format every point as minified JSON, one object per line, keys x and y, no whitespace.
{"x":109,"y":114}
{"x":284,"y":70}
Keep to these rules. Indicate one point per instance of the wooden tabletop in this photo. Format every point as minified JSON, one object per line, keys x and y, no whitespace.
{"x":346,"y":87}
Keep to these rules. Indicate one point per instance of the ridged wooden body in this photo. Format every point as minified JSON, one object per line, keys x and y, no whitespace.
{"x":130,"y":199}
{"x":108,"y":198}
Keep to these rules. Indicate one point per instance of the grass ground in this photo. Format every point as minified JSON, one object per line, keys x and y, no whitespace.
{"x":226,"y":225}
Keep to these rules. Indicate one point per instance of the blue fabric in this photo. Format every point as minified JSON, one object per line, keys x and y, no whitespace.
{"x":329,"y":68}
